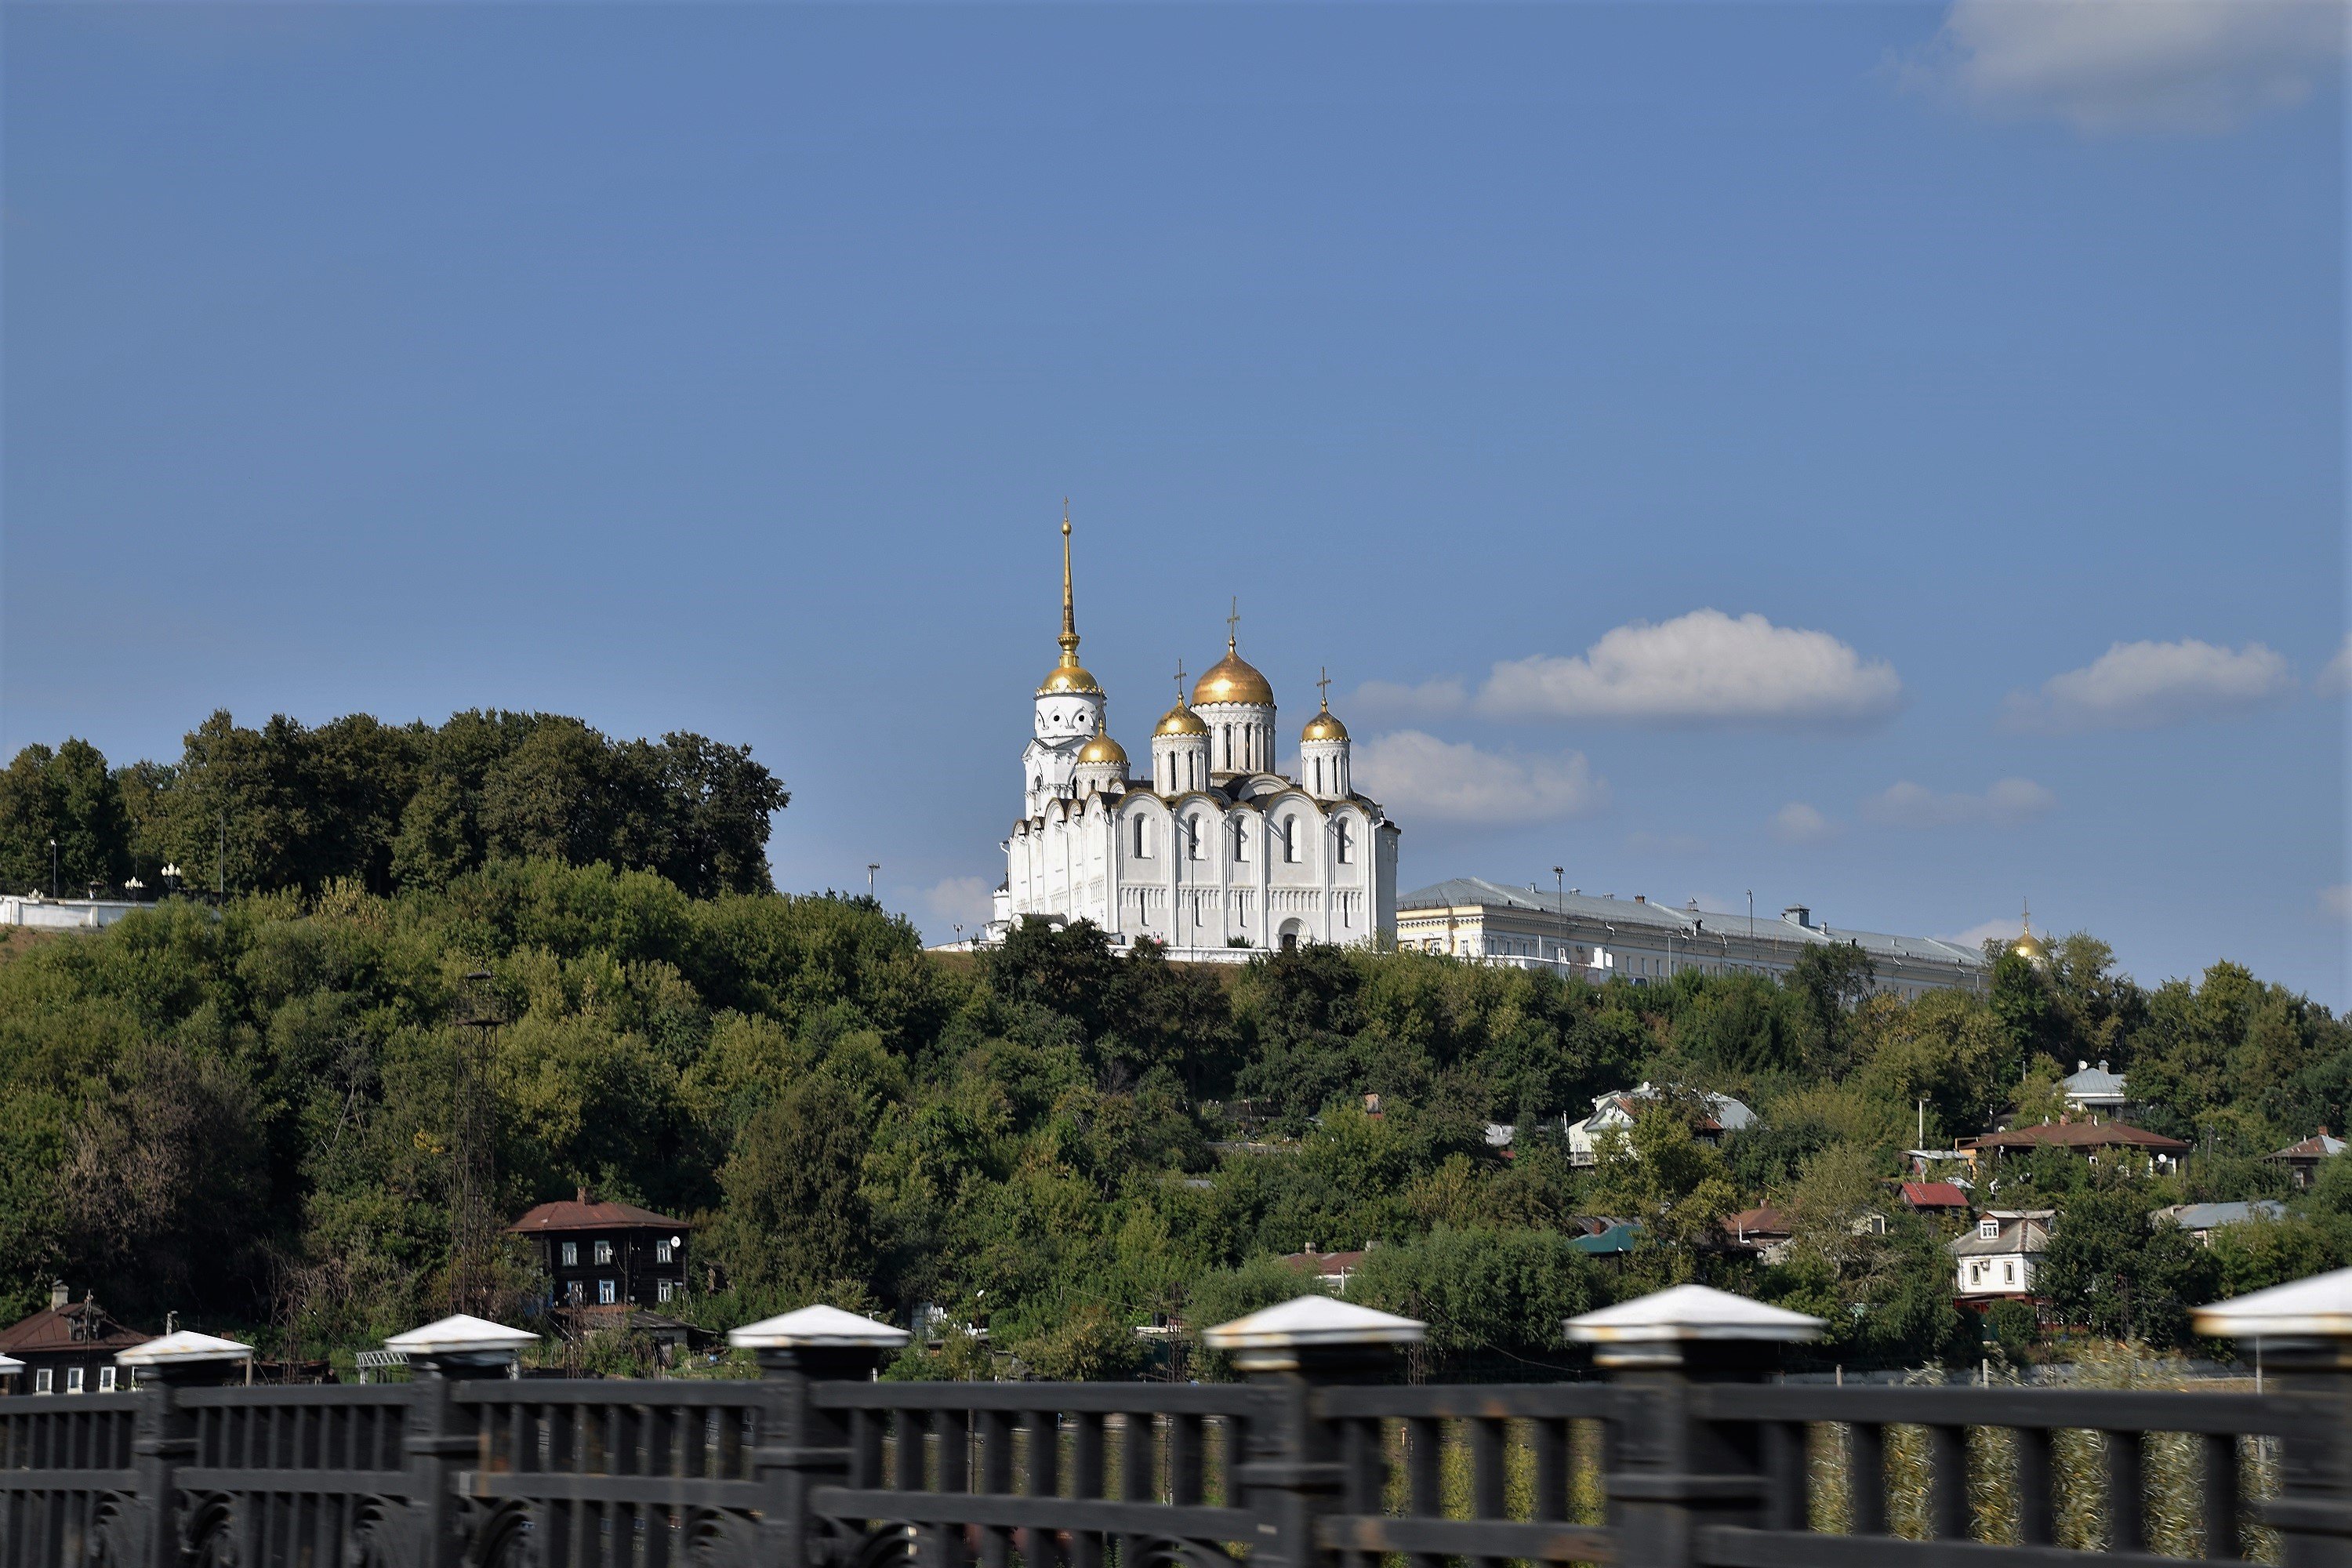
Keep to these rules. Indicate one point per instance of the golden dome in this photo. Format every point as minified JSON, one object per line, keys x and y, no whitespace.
{"x":1069,"y":676}
{"x":1232,"y":680}
{"x":1324,"y":727}
{"x":1102,"y":748}
{"x":1180,"y":720}
{"x":2029,"y":946}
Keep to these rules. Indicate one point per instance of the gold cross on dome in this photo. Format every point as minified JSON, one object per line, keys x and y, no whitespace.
{"x":1324,"y":686}
{"x":1179,"y":680}
{"x":1232,"y":621}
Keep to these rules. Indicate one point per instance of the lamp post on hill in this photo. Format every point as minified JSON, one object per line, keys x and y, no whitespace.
{"x":53,"y":868}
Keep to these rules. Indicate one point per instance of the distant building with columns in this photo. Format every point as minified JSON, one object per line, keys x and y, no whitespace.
{"x":1597,"y":939}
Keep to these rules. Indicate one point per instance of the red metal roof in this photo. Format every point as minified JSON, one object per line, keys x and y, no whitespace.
{"x":578,"y":1213}
{"x":1933,"y":1196}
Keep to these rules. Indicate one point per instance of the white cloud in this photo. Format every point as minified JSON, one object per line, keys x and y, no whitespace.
{"x":2136,"y":685}
{"x":1797,"y":823}
{"x":2337,"y":900}
{"x":1431,"y":699}
{"x":1416,"y":774}
{"x":2008,"y":803}
{"x":1700,"y":668}
{"x":2109,"y":66}
{"x":2336,"y":677}
{"x":965,"y":898}
{"x":1977,"y":935}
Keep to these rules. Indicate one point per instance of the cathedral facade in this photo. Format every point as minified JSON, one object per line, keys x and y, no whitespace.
{"x":1212,"y":851}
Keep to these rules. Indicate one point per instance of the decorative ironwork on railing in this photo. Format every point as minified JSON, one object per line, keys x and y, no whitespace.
{"x":1681,"y":1454}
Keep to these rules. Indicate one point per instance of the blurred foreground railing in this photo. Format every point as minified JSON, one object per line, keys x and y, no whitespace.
{"x":1682,"y":1453}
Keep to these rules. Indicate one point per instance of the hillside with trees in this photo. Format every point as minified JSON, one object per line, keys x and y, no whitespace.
{"x":245,"y":1115}
{"x":390,"y":808}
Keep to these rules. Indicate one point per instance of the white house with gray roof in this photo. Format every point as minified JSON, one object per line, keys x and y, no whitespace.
{"x":1573,"y":932}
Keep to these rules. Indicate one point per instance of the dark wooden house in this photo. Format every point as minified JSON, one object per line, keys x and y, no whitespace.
{"x":607,"y":1254}
{"x":69,"y":1346}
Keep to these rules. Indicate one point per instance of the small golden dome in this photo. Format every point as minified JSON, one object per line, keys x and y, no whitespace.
{"x":1232,"y":680}
{"x":1324,"y":727}
{"x":1069,"y":676}
{"x":1102,"y":748}
{"x":2029,"y":946}
{"x":1180,"y":720}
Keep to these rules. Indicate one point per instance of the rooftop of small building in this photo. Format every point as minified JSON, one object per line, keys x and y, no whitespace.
{"x":82,"y":1325}
{"x":2089,"y":1134}
{"x":578,"y":1213}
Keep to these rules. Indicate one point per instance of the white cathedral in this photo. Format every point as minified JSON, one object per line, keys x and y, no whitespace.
{"x":1215,"y":851}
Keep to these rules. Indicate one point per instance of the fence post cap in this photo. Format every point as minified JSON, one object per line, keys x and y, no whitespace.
{"x":2319,"y":1307}
{"x":185,"y":1348}
{"x":462,"y":1338}
{"x":817,"y":1328}
{"x":1309,"y":1321}
{"x":1688,"y":1312}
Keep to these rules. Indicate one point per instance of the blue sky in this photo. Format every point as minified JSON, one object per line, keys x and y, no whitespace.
{"x":1886,"y":457}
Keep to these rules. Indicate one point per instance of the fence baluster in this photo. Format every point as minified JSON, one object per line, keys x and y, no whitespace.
{"x":1087,"y":1481}
{"x":1184,"y":1433}
{"x":1868,"y":1468}
{"x":1547,"y":1439}
{"x":2036,"y":1479}
{"x":1786,"y":1495}
{"x":1425,"y":1478}
{"x":2220,"y":1453}
{"x":2126,"y":1493}
{"x":995,"y":1480}
{"x":1043,"y":1548}
{"x":1948,"y":1483}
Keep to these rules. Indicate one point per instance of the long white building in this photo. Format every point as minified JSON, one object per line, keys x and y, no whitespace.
{"x":1213,"y":852}
{"x":1647,"y":944}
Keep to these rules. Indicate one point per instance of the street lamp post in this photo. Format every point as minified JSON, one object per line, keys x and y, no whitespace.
{"x":53,"y":868}
{"x":871,"y":867}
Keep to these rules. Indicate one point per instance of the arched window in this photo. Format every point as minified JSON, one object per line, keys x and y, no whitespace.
{"x":1339,"y":832}
{"x":1319,"y":775}
{"x":1225,"y":744}
{"x":1240,"y":840}
{"x":1290,"y":839}
{"x":1143,"y":837}
{"x":1191,"y":838}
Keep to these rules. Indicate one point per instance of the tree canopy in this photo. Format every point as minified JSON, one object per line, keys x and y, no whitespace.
{"x":245,"y":1114}
{"x":391,"y":807}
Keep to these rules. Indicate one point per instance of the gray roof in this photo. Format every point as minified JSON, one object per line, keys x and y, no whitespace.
{"x":2092,"y":1080}
{"x":1663,"y":919}
{"x":2213,"y":1216}
{"x":2017,"y":1236}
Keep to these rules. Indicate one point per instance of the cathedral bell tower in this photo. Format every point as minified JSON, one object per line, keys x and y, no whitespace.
{"x":1070,"y":706}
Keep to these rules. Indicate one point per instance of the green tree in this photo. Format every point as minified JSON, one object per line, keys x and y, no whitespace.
{"x":2111,"y":1271}
{"x":794,"y":1217}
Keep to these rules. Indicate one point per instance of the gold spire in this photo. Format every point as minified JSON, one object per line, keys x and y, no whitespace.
{"x":1069,"y":601}
{"x":1069,"y":675}
{"x":1233,"y":625}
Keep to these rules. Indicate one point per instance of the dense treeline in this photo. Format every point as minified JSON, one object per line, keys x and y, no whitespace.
{"x":391,"y":807}
{"x":246,"y":1115}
